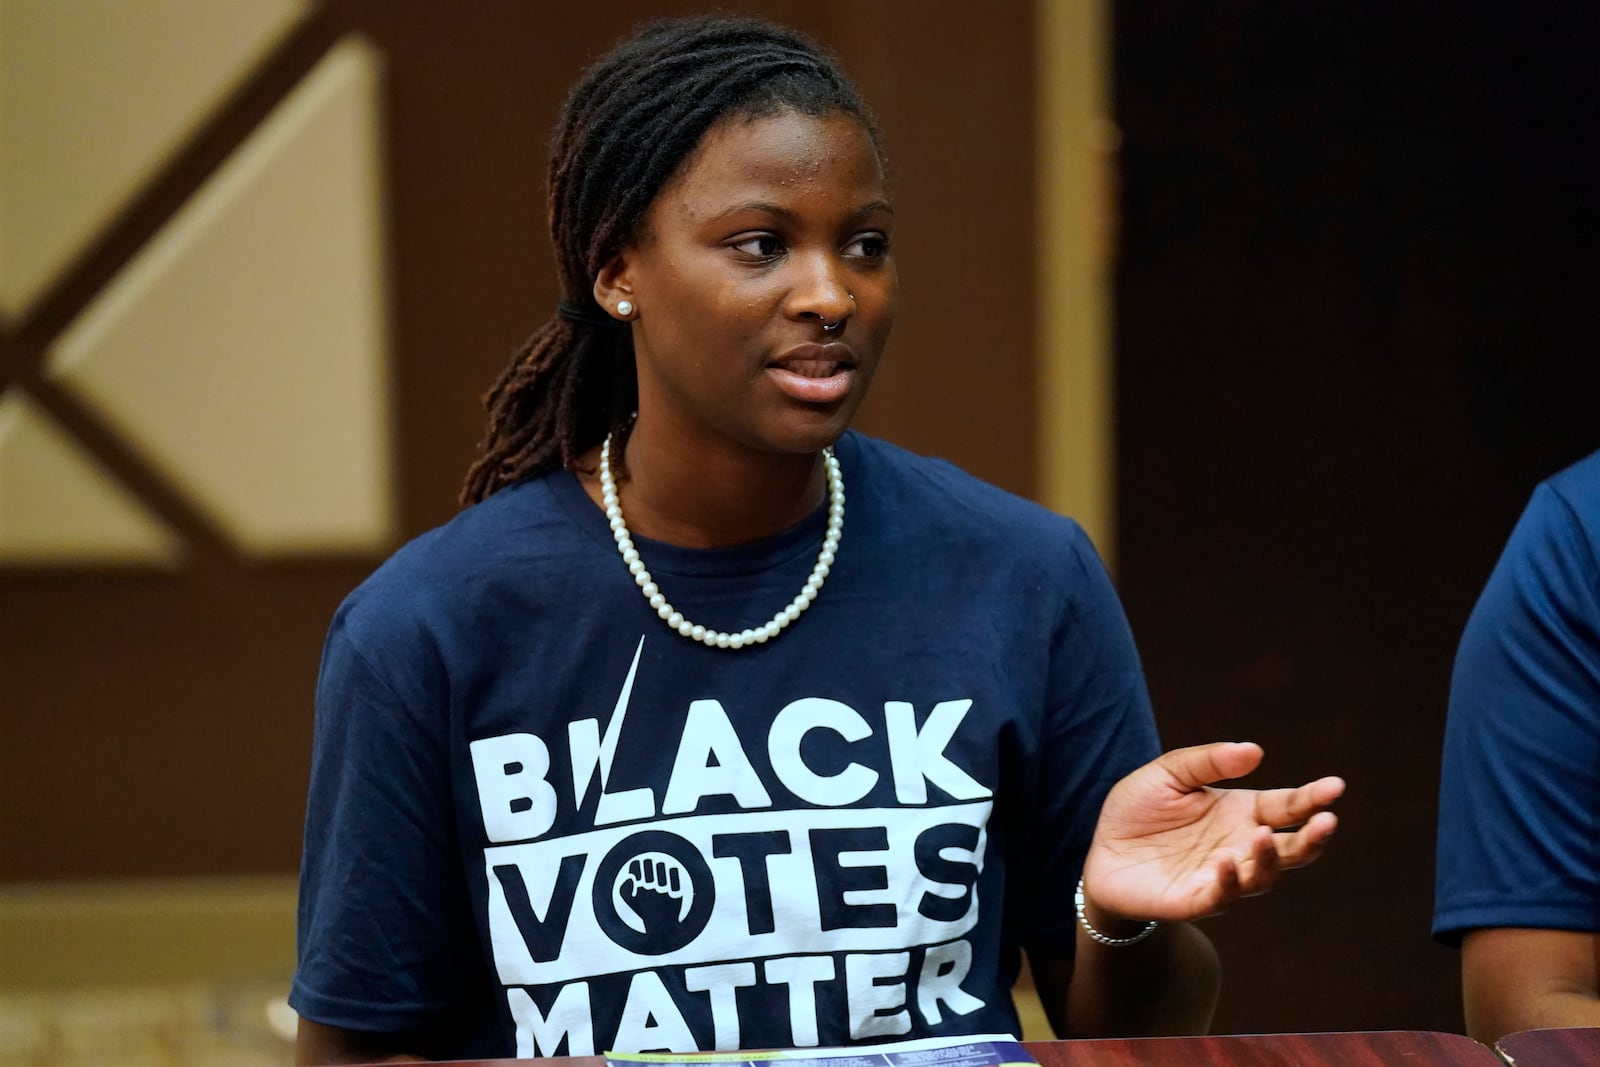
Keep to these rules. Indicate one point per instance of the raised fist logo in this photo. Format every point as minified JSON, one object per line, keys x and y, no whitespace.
{"x":653,"y":893}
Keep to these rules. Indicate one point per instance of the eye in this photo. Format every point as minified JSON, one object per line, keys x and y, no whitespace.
{"x":761,"y":246}
{"x":873,"y":246}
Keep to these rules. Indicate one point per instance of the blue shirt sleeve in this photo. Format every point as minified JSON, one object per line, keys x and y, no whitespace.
{"x":383,"y":917}
{"x":1519,"y":844}
{"x":1098,"y":728}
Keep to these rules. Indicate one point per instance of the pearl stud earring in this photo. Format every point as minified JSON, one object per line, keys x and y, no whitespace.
{"x":624,"y":307}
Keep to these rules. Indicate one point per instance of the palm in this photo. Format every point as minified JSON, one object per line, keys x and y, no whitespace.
{"x":1171,"y":845}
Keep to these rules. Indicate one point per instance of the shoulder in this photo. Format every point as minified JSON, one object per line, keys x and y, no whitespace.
{"x":1553,"y":554}
{"x":960,"y":501}
{"x":503,"y":549}
{"x":1544,"y":591}
{"x":1527,"y":670}
{"x":944,"y":534}
{"x":929,"y":502}
{"x":1574,"y":495}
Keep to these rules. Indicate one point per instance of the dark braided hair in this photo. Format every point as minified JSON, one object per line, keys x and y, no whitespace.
{"x":627,"y":127}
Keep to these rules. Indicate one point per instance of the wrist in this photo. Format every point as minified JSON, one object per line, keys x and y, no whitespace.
{"x":1106,"y":929}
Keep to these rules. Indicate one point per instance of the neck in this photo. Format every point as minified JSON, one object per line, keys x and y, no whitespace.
{"x":711,"y":497}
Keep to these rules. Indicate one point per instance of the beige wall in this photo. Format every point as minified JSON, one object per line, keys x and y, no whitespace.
{"x":240,"y":352}
{"x":1077,"y":213}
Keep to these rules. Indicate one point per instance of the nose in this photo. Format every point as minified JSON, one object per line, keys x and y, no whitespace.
{"x":822,"y":293}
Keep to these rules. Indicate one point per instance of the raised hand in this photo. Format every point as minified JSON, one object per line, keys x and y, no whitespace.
{"x":653,"y":890}
{"x":1171,"y":845}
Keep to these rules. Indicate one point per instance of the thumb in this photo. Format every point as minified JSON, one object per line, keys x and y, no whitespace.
{"x":1202,"y":765}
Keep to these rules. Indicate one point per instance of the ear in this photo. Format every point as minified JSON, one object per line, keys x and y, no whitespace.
{"x":614,"y":284}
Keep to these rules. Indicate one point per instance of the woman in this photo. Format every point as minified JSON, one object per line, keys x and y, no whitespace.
{"x":657,"y":746}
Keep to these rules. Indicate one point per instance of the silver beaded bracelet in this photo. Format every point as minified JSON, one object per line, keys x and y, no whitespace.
{"x":1097,"y":936}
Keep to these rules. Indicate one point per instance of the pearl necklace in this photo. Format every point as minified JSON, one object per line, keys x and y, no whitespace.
{"x":674,"y":618}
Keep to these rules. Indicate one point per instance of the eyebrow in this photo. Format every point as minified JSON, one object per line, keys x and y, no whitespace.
{"x":782,"y":212}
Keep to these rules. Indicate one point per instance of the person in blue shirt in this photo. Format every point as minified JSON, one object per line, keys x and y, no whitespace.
{"x":711,"y":723}
{"x":1518,"y":877}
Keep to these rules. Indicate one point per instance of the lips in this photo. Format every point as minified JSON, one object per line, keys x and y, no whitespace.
{"x":815,"y":373}
{"x":812,"y":368}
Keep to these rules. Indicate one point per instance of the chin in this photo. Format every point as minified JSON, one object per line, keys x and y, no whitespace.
{"x":813,"y":432}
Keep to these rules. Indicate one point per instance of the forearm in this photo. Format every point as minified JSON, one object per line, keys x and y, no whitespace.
{"x":1165,"y":985}
{"x":316,"y":1043}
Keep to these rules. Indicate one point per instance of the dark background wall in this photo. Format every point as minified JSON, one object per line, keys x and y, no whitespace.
{"x":1354,"y":331}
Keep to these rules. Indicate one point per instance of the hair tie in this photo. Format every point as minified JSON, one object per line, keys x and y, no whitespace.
{"x":587,"y":316}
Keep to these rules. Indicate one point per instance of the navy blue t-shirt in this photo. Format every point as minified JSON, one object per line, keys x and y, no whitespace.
{"x":1519,"y":844}
{"x":542,"y":823}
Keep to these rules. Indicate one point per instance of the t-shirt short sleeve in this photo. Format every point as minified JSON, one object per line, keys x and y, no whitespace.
{"x":1520,"y":789}
{"x":1097,"y":729}
{"x":383,"y":916}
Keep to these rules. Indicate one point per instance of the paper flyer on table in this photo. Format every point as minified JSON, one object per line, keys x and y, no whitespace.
{"x":982,"y":1050}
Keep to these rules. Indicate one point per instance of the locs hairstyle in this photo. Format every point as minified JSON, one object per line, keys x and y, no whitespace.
{"x":627,"y":127}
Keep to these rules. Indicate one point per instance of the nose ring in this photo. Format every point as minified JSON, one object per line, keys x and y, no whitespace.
{"x":836,"y":327}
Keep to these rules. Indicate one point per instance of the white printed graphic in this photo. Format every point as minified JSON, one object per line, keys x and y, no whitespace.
{"x":752,"y":885}
{"x":656,"y":874}
{"x":665,"y":908}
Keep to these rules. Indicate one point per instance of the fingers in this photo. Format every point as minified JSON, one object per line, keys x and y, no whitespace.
{"x":1306,"y":844}
{"x":1215,"y":845}
{"x":1281,"y":808}
{"x":1202,"y":765}
{"x":1255,"y":868}
{"x":1220,"y":890}
{"x":1246,"y":871}
{"x":1258,"y":866}
{"x":1306,"y":809}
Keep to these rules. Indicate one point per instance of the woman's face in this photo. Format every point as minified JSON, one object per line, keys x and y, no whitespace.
{"x":776,"y":228}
